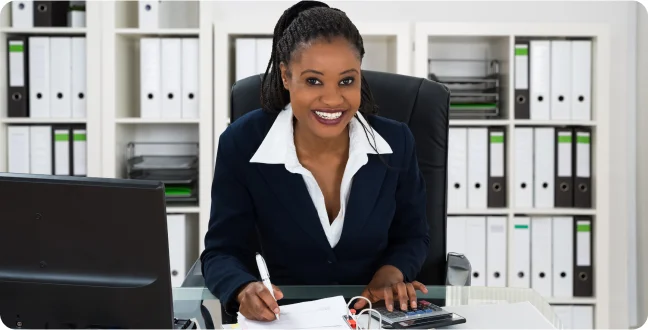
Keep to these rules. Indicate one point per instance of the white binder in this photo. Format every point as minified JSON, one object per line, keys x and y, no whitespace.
{"x":22,"y":14}
{"x":541,"y":256}
{"x":524,"y":178}
{"x":581,"y":82}
{"x":18,"y":149}
{"x":79,"y":152}
{"x":263,"y":52}
{"x":39,"y":77}
{"x":150,"y":60}
{"x":171,"y":77}
{"x":476,"y":249}
{"x":177,"y":232}
{"x":477,"y":168}
{"x":561,"y":71}
{"x":149,"y":14}
{"x":544,"y":165}
{"x":190,"y":78}
{"x":582,"y":317}
{"x":79,"y":71}
{"x":540,"y":80}
{"x":457,"y":168}
{"x":520,"y":252}
{"x":61,"y":151}
{"x":496,"y":251}
{"x":456,"y":234}
{"x":60,"y":77}
{"x":246,"y":61}
{"x":563,"y":256}
{"x":40,"y":149}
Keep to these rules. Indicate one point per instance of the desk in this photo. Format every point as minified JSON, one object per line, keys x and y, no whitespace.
{"x":199,"y":303}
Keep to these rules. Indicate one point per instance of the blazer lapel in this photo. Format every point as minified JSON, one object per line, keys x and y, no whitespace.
{"x":365,"y":189}
{"x":291,"y":191}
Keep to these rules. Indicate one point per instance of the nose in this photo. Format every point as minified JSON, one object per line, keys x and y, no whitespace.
{"x":332,"y":96}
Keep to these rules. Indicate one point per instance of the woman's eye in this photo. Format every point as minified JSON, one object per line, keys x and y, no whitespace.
{"x":313,"y":81}
{"x":347,"y":81}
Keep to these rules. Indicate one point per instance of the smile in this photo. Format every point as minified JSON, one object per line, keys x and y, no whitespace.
{"x":329,"y":115}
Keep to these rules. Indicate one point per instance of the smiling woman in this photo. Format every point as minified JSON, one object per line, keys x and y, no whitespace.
{"x":333,"y":192}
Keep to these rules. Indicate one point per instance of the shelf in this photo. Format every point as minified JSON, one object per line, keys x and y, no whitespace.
{"x":43,"y":120}
{"x":555,"y":211}
{"x":571,"y":300}
{"x":183,"y":209}
{"x":44,"y":30}
{"x":478,"y":212}
{"x":479,"y":122}
{"x":135,"y":120}
{"x":136,"y":33}
{"x":532,"y":122}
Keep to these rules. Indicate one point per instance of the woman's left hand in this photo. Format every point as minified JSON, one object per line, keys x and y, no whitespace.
{"x":387,"y":284}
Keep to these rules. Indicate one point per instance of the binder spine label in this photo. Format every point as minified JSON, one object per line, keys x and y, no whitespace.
{"x":497,"y":154}
{"x":583,"y":154}
{"x":583,"y":244}
{"x":16,"y":63}
{"x":521,"y":66}
{"x":564,"y":154}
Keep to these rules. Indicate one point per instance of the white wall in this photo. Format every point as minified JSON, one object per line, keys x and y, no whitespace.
{"x":642,"y":163}
{"x":614,"y":13}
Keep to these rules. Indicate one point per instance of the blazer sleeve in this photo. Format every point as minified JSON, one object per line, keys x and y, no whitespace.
{"x":226,"y":258}
{"x":409,"y":234}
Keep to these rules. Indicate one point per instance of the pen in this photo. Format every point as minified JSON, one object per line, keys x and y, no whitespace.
{"x":265,"y":276}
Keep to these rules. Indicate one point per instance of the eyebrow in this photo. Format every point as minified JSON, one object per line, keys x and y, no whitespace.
{"x":319,"y":73}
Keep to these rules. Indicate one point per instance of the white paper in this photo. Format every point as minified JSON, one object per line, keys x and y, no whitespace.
{"x":323,"y":313}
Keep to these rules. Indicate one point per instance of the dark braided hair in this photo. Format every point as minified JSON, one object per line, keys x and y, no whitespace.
{"x":299,"y":25}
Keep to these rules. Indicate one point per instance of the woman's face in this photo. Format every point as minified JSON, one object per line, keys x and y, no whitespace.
{"x":324,"y":86}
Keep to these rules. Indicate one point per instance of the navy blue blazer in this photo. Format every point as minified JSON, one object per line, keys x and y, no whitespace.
{"x":385,"y":222}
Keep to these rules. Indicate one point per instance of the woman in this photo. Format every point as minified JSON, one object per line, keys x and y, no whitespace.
{"x":333,"y":192}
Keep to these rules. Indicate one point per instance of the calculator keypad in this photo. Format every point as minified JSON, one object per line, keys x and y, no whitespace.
{"x":423,"y":309}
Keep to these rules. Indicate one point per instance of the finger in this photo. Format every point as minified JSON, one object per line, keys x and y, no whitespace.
{"x":411,"y":293}
{"x":277,"y":292}
{"x":361,"y":303}
{"x":389,"y":298}
{"x":401,"y":290}
{"x":268,"y":300}
{"x":419,"y":286}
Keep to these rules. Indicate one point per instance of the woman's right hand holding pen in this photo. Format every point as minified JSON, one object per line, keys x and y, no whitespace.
{"x":256,"y":302}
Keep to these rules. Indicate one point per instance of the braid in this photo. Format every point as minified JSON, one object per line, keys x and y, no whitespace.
{"x":298,"y":26}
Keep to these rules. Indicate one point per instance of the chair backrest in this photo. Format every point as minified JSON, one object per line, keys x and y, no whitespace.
{"x":423,"y":105}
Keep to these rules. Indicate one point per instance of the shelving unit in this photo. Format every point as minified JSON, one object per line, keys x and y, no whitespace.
{"x":497,"y":41}
{"x":92,"y":121}
{"x":122,"y":121}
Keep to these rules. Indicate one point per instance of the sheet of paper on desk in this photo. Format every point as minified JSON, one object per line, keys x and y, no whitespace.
{"x":317,"y":314}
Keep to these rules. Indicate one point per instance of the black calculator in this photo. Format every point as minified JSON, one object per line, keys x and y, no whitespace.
{"x":425,"y":315}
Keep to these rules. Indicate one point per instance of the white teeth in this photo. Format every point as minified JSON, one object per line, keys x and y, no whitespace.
{"x":329,"y":115}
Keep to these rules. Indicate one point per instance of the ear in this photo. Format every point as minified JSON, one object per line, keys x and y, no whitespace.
{"x":284,"y":74}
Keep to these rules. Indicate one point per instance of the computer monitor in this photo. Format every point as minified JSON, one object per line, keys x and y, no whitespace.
{"x":81,"y":252}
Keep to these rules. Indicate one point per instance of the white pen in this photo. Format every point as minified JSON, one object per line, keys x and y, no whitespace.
{"x":265,"y":276}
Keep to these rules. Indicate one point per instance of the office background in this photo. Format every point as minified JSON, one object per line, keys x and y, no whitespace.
{"x":123,"y":45}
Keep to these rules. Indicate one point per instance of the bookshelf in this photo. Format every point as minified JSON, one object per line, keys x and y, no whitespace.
{"x":497,"y":41}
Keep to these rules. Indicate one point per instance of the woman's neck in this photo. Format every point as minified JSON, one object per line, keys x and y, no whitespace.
{"x":310,"y":145}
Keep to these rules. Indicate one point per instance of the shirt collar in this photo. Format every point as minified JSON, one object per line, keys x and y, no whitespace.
{"x":278,"y":147}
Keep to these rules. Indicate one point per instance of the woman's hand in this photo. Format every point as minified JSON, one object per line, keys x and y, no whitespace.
{"x":388,"y":283}
{"x":256,"y":302}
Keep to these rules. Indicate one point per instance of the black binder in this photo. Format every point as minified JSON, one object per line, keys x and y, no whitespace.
{"x":18,"y":77}
{"x":564,"y":169}
{"x":522,"y":79}
{"x":496,"y":181}
{"x":51,"y":13}
{"x":583,"y":257}
{"x":582,"y":167}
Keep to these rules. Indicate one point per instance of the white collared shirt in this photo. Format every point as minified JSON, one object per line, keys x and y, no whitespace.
{"x":278,"y":147}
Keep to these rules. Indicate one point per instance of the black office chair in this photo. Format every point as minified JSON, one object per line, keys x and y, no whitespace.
{"x":423,"y":105}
